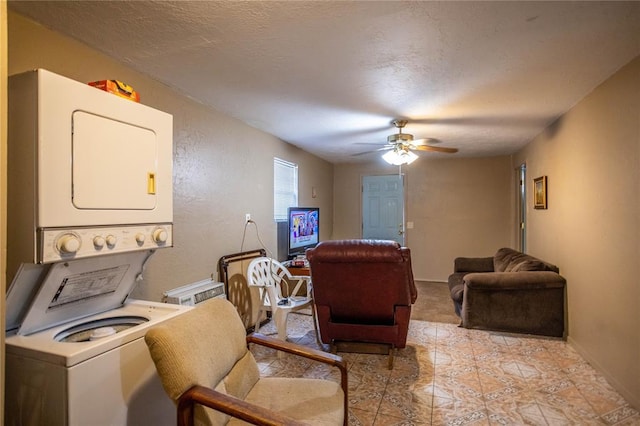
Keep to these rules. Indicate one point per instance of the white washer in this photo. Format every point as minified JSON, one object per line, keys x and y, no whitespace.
{"x":105,"y":378}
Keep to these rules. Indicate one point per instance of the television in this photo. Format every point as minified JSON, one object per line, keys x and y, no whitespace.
{"x":303,"y":225}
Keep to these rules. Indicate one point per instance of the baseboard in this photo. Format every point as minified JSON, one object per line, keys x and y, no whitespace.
{"x":429,"y":280}
{"x":363,"y":347}
{"x":634,"y":400}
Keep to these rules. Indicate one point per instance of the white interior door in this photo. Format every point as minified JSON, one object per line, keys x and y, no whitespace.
{"x":383,"y":207}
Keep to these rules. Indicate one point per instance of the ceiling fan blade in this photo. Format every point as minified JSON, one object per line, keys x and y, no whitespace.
{"x":480,"y":120}
{"x":436,"y":149}
{"x":386,"y":148}
{"x":425,"y":141}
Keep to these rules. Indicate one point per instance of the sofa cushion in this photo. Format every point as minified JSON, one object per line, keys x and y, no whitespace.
{"x":509,"y":260}
{"x":529,"y":265}
{"x":504,"y":258}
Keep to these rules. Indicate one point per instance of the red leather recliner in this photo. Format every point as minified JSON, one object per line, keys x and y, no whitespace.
{"x":363,"y":291}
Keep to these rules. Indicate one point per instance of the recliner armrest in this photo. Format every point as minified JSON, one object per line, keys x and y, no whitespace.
{"x":473,"y":264}
{"x":524,"y":280}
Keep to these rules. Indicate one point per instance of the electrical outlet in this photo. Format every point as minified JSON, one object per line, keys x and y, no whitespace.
{"x":247,"y":217}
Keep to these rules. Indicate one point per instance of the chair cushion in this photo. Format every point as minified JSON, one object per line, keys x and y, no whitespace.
{"x":319,"y":402}
{"x":196,"y":336}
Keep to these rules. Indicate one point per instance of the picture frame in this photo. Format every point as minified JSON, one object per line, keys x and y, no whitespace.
{"x":540,"y":193}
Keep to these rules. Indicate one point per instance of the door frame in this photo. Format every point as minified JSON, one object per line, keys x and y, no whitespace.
{"x":521,"y":206}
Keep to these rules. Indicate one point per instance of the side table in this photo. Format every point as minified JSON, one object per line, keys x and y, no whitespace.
{"x":304,"y":271}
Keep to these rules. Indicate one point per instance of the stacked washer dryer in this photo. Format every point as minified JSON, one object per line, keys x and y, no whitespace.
{"x":89,"y":202}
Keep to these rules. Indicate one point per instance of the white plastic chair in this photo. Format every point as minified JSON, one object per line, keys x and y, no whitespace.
{"x":269,"y":276}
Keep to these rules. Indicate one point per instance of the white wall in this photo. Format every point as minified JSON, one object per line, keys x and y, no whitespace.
{"x":591,"y":229}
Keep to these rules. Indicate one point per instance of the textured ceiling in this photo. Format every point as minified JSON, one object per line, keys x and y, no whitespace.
{"x":329,"y":76}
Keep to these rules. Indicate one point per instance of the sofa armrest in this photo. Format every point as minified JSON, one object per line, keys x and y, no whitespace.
{"x":473,"y":264}
{"x":525,"y":280}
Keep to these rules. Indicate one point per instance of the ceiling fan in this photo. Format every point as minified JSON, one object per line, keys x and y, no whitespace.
{"x":400,"y":145}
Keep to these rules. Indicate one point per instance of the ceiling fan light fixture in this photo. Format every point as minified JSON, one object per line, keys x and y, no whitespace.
{"x":399,"y":157}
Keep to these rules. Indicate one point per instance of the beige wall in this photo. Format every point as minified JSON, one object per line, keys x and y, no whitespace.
{"x":592,"y":226}
{"x":459,"y":207}
{"x":222,"y":167}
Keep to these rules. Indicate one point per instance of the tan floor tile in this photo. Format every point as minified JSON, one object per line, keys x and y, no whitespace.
{"x":451,"y":375}
{"x":365,"y":398}
{"x":408,"y":402}
{"x":375,"y":374}
{"x":448,"y":358}
{"x":570,"y":401}
{"x":387,"y":420}
{"x":528,"y":411}
{"x":359,"y":417}
{"x":602,"y":398}
{"x":461,"y":382}
{"x":446,"y":390}
{"x":323,"y":371}
{"x":623,"y":416}
{"x":459,"y":413}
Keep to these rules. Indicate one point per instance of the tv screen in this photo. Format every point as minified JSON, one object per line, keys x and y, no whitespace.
{"x":304,"y":229}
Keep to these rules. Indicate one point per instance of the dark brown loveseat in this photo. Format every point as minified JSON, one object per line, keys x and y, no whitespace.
{"x":510,"y":291}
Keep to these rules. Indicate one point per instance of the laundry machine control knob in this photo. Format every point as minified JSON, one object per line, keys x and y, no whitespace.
{"x":140,"y":238}
{"x":68,"y":243}
{"x":160,"y":235}
{"x":98,"y":242}
{"x":111,"y":240}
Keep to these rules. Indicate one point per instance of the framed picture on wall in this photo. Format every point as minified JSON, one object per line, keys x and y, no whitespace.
{"x":540,"y":193}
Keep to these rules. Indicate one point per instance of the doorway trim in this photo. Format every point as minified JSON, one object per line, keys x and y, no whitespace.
{"x":521,"y":207}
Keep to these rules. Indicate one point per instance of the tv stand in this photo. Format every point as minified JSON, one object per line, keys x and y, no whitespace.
{"x":298,"y":265}
{"x":299,"y":271}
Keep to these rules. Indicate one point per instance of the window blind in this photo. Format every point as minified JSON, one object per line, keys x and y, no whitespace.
{"x":285,"y":187}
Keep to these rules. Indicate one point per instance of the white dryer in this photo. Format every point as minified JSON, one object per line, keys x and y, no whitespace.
{"x":75,"y":350}
{"x":90,"y":198}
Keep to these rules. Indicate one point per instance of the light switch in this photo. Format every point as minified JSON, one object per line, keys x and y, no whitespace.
{"x":409,"y":225}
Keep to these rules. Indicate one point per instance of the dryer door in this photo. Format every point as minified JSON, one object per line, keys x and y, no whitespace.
{"x":114,"y":164}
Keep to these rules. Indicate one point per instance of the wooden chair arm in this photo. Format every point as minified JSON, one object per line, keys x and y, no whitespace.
{"x":309,"y":353}
{"x":227,"y":404}
{"x":292,"y":348}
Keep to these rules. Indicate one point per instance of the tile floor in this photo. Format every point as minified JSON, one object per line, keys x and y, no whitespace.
{"x":452,"y":376}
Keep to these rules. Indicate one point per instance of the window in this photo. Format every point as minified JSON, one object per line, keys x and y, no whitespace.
{"x":285,"y":188}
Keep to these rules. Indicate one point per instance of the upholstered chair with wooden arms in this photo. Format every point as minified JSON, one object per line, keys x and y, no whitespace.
{"x":207,"y":370}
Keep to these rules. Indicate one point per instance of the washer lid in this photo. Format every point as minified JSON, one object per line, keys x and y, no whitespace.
{"x":43,"y":296}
